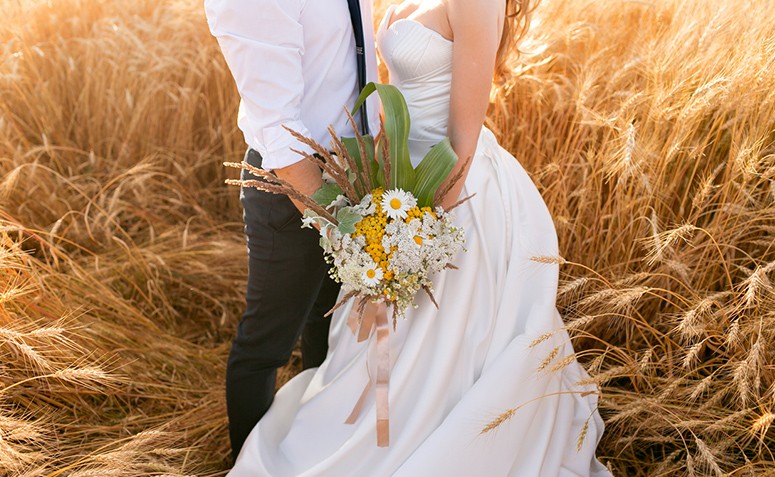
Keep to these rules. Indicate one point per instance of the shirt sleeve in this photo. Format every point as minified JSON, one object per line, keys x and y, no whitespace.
{"x":263,"y":44}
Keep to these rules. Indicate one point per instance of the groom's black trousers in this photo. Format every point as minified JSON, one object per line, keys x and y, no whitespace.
{"x":288,"y":293}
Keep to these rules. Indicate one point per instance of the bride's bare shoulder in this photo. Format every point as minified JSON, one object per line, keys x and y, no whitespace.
{"x":481,"y":6}
{"x":468,"y":13}
{"x":404,"y":9}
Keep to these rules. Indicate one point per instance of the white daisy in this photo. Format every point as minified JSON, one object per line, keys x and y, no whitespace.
{"x":372,"y":274}
{"x":396,"y":203}
{"x":423,"y":241}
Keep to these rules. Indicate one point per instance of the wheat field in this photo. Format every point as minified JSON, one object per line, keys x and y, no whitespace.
{"x":648,"y":126}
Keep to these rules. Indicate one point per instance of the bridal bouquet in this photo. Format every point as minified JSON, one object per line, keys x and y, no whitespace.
{"x":376,"y":213}
{"x":386,"y":246}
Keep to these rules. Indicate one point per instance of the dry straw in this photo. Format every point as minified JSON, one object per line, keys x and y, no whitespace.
{"x":647,"y":126}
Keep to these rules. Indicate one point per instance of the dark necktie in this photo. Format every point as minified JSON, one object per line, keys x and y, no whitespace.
{"x":357,"y":20}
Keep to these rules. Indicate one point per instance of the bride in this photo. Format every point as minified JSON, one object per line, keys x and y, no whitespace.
{"x":496,"y":341}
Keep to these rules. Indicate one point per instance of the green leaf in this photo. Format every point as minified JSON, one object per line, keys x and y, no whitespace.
{"x":351,"y":144}
{"x":367,"y":90}
{"x":431,"y":172}
{"x":347,"y":219}
{"x":327,"y":194}
{"x":381,"y":180}
{"x":396,"y":130}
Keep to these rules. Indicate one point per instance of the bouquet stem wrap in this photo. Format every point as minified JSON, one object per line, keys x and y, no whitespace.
{"x":365,"y":318}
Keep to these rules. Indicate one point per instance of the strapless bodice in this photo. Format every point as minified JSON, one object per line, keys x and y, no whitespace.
{"x":419,"y":61}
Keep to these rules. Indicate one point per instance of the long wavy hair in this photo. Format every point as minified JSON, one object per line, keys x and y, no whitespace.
{"x":515,"y":27}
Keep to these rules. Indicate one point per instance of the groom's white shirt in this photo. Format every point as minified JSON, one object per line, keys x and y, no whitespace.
{"x":294,"y":64}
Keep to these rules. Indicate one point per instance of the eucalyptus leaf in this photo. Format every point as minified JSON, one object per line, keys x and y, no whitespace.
{"x":347,"y":218}
{"x":327,"y":194}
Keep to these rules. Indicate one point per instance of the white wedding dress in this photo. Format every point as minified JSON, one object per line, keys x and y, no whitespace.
{"x":455,"y":369}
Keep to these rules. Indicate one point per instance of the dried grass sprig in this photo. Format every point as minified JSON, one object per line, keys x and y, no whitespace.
{"x":326,"y":162}
{"x":428,"y":292}
{"x":367,"y":172}
{"x":359,"y":186}
{"x":275,"y":185}
{"x":384,"y":144}
{"x":341,"y":302}
{"x":444,"y":190}
{"x":460,"y":202}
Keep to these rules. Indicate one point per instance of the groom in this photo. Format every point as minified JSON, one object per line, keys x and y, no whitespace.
{"x":296,"y":63}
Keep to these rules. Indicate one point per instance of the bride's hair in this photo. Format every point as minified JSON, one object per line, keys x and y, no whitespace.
{"x":514,"y":28}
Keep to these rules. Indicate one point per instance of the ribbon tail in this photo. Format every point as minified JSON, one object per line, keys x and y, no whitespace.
{"x":383,"y":376}
{"x":364,"y":318}
{"x":353,"y":319}
{"x":361,"y":320}
{"x":359,"y":405}
{"x":367,"y":324}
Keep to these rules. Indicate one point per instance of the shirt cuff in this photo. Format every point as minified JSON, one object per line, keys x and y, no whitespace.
{"x":275,"y":148}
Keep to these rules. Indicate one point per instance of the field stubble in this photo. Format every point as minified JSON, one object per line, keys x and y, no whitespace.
{"x":648,"y":126}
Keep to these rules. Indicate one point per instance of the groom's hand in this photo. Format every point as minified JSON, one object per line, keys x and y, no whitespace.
{"x":304,"y":176}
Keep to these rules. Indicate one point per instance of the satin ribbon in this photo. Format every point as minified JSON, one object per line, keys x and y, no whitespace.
{"x":365,"y":317}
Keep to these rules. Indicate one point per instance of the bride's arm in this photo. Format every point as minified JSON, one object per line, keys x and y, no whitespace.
{"x":476,"y":25}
